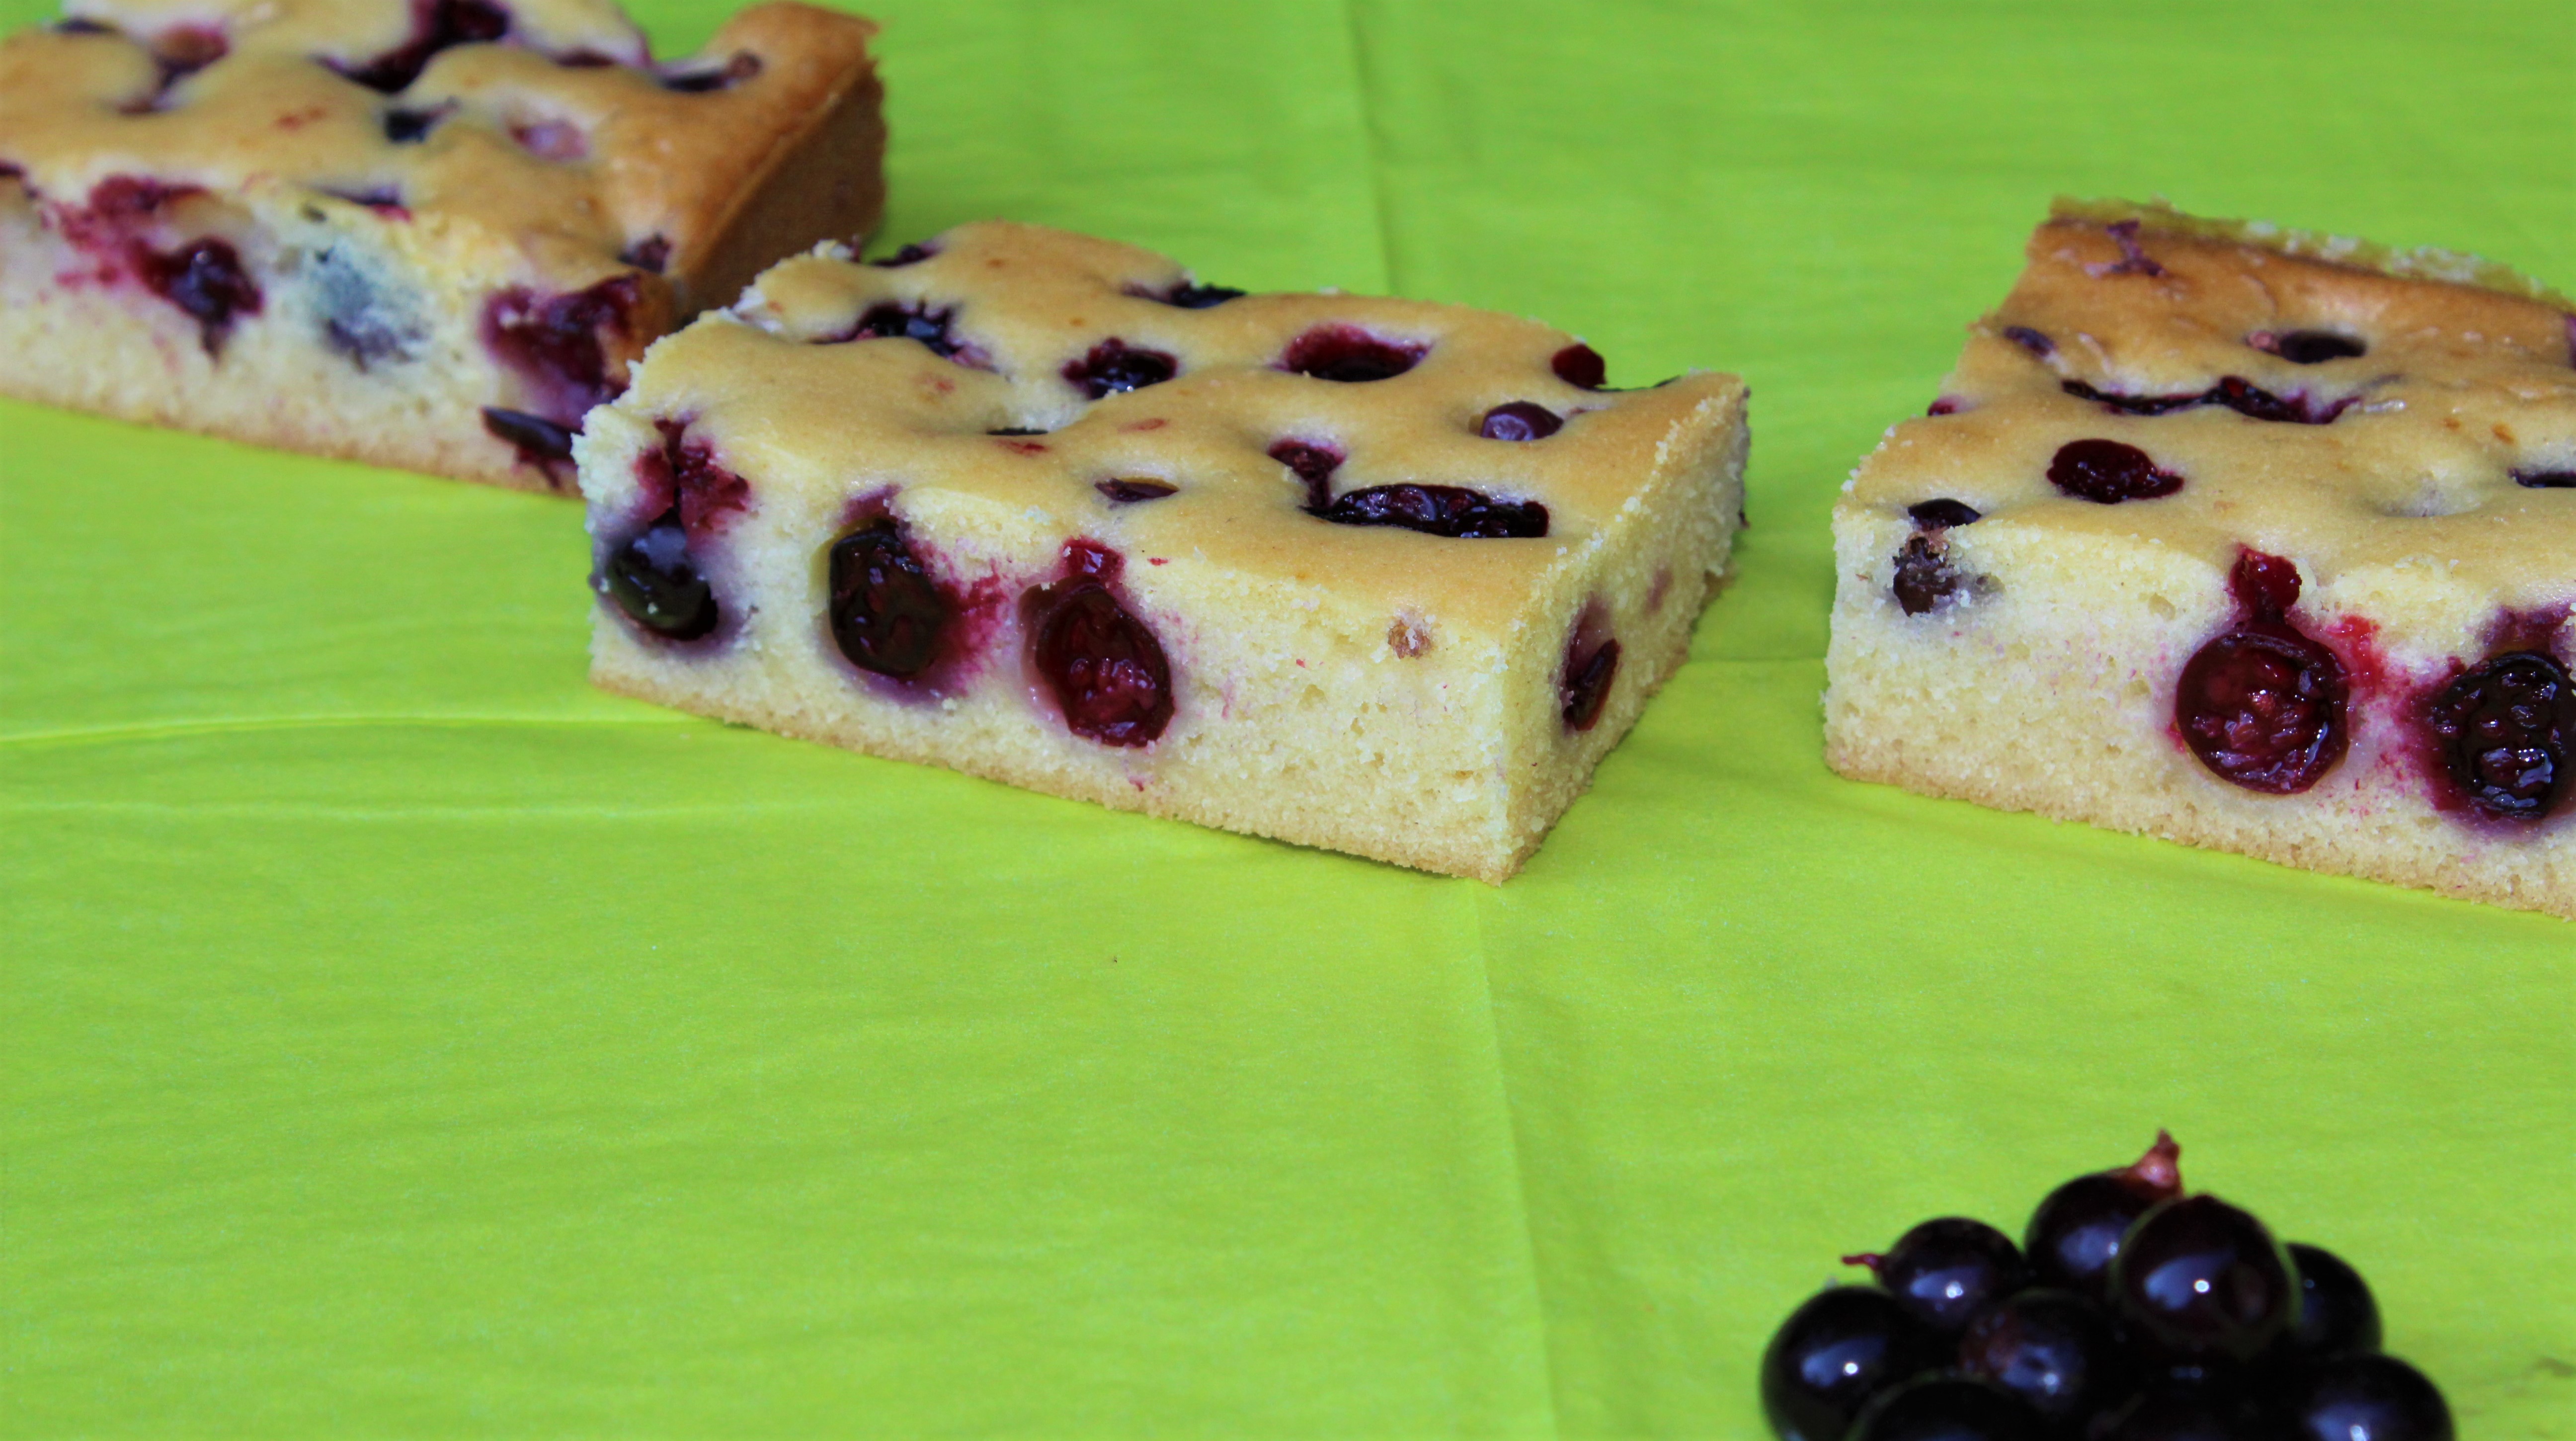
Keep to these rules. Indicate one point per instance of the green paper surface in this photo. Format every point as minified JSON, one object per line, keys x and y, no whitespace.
{"x":400,"y":1038}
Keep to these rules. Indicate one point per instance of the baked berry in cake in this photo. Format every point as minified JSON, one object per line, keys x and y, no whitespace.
{"x":423,"y":233}
{"x":2244,"y":537}
{"x":1046,"y":509}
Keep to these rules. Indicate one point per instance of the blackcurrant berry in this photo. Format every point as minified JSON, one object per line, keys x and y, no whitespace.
{"x":2201,"y":1279}
{"x":2076,"y":1231}
{"x":2336,"y":1311}
{"x":2368,"y":1397}
{"x":1947,"y":1408}
{"x":2055,"y":1350}
{"x":652,"y":580}
{"x":1833,"y":1354}
{"x":1948,"y":1269}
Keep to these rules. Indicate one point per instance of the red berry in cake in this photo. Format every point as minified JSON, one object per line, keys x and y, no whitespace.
{"x":1131,"y":492}
{"x":2502,"y":730}
{"x":2368,"y":1397}
{"x":1445,"y":510}
{"x":2202,"y":1279}
{"x":1104,"y":666}
{"x":1113,"y":366}
{"x":1580,"y":366}
{"x":2262,"y":705}
{"x":2036,"y":342}
{"x":1519,"y":420}
{"x":2337,"y":1313}
{"x":1943,"y":514}
{"x":2076,"y":1231}
{"x":653,"y":579}
{"x":2055,"y":1350}
{"x":886,"y":612}
{"x":2308,"y":347}
{"x":1947,"y":1269}
{"x":1844,"y":1346}
{"x":559,"y":343}
{"x":1947,"y":1408}
{"x":1312,"y":463}
{"x":2108,"y":472}
{"x":1591,"y":664}
{"x":436,"y":25}
{"x":1350,"y":355}
{"x":205,"y":278}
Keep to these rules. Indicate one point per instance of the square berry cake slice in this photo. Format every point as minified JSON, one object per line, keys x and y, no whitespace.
{"x":2244,"y":537}
{"x":1376,"y":575}
{"x":422,"y":233}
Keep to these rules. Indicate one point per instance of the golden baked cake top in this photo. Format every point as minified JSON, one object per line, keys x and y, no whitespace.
{"x":2401,"y":425}
{"x":545,"y":123}
{"x":1464,"y":454}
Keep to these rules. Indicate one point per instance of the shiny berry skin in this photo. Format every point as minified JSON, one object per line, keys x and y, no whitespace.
{"x":1947,"y":1269}
{"x":1833,"y":1354}
{"x":205,"y":278}
{"x":652,"y":579}
{"x":2502,"y":730}
{"x":2545,"y":479}
{"x":2262,"y":706}
{"x":2313,"y":347}
{"x":2107,"y":472}
{"x":1943,"y":514}
{"x":2368,"y":1397}
{"x":1113,"y":367}
{"x":2076,"y":1231}
{"x":1519,"y":420}
{"x":1133,"y":492}
{"x":1349,"y":355}
{"x":886,"y":612}
{"x":2336,"y":1310}
{"x":1580,"y":366}
{"x":1453,"y":511}
{"x":893,"y":320}
{"x":1947,"y":1408}
{"x":539,"y":441}
{"x":1103,"y":665}
{"x":2201,"y":1279}
{"x":2055,"y":1350}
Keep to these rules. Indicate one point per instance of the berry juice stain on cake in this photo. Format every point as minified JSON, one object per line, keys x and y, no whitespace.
{"x":898,"y":612}
{"x":2263,"y":705}
{"x":1103,"y":667}
{"x":657,"y":576}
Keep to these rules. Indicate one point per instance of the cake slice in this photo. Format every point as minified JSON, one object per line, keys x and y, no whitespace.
{"x":422,"y":233}
{"x":1377,"y":575}
{"x":2243,"y":537}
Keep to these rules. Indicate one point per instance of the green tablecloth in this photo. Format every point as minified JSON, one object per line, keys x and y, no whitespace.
{"x":400,"y":1037}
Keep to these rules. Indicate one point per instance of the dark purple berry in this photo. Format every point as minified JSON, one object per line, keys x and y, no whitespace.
{"x":2336,"y":1311}
{"x":1591,"y":663}
{"x":2077,"y":1229}
{"x":436,"y":25}
{"x":205,"y":278}
{"x":2053,"y":1349}
{"x":1313,"y":464}
{"x":2545,"y":479}
{"x":2233,"y":391}
{"x":2502,"y":730}
{"x":1924,"y":579}
{"x":2368,"y":1397}
{"x":886,"y":612}
{"x":2133,"y":260}
{"x":1943,"y":514}
{"x":1580,"y":366}
{"x":2199,"y":1278}
{"x":1452,"y":511}
{"x":2107,"y":472}
{"x":1349,"y":354}
{"x":1103,"y":665}
{"x":410,"y":127}
{"x":741,"y":67}
{"x":560,"y":343}
{"x":652,"y":579}
{"x":683,"y":473}
{"x":1112,"y":367}
{"x":1947,"y":1408}
{"x":2308,"y":347}
{"x":911,"y":254}
{"x":1519,"y":420}
{"x":1199,"y":297}
{"x":894,"y":320}
{"x":1948,"y":1269}
{"x":652,"y":253}
{"x":540,"y":441}
{"x":2262,"y":705}
{"x":1131,"y":492}
{"x":2036,"y":342}
{"x":1833,"y":1354}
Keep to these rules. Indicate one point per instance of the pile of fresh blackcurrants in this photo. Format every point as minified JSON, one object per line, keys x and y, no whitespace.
{"x":2131,"y":1312}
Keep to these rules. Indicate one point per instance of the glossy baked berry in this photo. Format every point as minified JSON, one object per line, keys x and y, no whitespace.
{"x":205,"y":278}
{"x":1943,"y":514}
{"x":1923,"y":578}
{"x":1113,"y":366}
{"x":886,"y":612}
{"x":537,"y":439}
{"x":2262,"y":706}
{"x":2199,"y":1278}
{"x":1833,"y":1354}
{"x":1591,"y":664}
{"x":2368,"y":1397}
{"x":1104,"y":666}
{"x":1132,"y":492}
{"x":1947,"y":1408}
{"x":2336,"y":1310}
{"x":2545,"y":479}
{"x":894,"y":320}
{"x":2310,"y":347}
{"x":2502,"y":730}
{"x":2077,"y":1230}
{"x":1350,"y":355}
{"x":2234,"y":392}
{"x":2107,"y":472}
{"x":653,"y":580}
{"x":1199,"y":297}
{"x":1947,"y":1269}
{"x":436,"y":25}
{"x":1453,"y":511}
{"x":1519,"y":420}
{"x":1581,"y":366}
{"x":2055,"y":1350}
